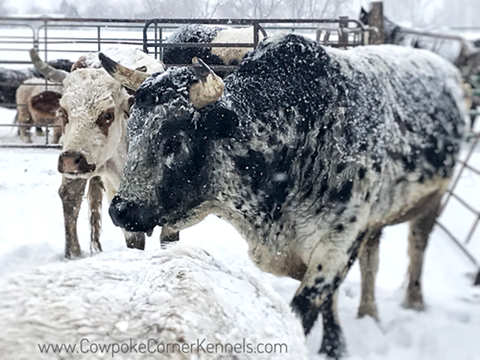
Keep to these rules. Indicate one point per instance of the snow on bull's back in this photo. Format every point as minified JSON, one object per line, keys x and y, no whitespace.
{"x":178,"y":296}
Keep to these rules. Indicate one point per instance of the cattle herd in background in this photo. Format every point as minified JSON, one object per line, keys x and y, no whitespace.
{"x":283,"y":148}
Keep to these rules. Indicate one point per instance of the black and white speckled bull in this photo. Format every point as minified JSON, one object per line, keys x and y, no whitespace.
{"x":308,"y":151}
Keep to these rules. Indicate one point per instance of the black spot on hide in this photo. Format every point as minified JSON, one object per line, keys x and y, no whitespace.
{"x":343,"y":194}
{"x":361,"y":173}
{"x":269,"y":180}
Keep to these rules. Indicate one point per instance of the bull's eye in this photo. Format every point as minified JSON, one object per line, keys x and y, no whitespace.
{"x":171,"y":146}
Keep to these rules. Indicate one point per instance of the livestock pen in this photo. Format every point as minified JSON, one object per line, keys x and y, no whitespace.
{"x":67,"y":38}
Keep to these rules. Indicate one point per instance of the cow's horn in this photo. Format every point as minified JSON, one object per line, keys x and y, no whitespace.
{"x":46,"y":70}
{"x":208,"y":89}
{"x":129,"y":78}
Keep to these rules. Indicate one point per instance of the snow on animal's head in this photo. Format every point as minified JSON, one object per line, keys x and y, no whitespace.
{"x":95,"y":108}
{"x":171,"y":131}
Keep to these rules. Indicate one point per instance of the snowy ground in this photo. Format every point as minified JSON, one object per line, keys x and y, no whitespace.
{"x":31,"y":236}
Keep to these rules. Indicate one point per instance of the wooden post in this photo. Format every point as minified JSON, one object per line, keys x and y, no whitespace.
{"x":375,"y":18}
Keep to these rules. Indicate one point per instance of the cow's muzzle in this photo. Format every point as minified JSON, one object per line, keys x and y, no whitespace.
{"x":74,"y":163}
{"x":131,"y":216}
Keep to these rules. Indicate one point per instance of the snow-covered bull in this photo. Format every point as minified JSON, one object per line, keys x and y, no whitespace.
{"x":37,"y":104}
{"x":94,"y":109}
{"x":308,"y":151}
{"x":206,"y":34}
{"x":137,"y":304}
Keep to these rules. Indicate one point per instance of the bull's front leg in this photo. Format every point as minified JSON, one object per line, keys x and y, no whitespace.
{"x":368,"y":268}
{"x":317,"y":293}
{"x":168,"y":236}
{"x":71,"y":192}
{"x":135,"y":240}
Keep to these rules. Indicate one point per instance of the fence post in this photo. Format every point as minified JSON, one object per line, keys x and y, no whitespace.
{"x":375,"y":18}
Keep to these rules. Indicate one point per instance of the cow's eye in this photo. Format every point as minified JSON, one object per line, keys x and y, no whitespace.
{"x":106,"y":119}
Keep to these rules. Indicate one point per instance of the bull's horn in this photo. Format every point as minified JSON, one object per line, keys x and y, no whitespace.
{"x":129,"y":78}
{"x":46,"y":70}
{"x":208,"y":89}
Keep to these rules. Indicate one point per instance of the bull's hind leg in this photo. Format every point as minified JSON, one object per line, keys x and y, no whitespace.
{"x":369,"y":267}
{"x":71,"y":192}
{"x":168,"y":236}
{"x":420,"y":228}
{"x":95,"y":194}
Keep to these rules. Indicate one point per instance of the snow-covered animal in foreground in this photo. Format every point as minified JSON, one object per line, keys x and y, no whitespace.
{"x":308,"y":151}
{"x":207,"y":34}
{"x":181,"y":297}
{"x":94,"y":109}
{"x":37,"y":104}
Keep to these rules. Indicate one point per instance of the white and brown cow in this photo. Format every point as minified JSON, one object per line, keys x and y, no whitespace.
{"x":37,"y":104}
{"x":94,"y":109}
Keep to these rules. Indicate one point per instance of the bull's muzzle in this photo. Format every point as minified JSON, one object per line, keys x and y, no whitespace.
{"x":74,"y":163}
{"x":131,"y":216}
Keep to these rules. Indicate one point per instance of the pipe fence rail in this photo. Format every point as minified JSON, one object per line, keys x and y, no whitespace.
{"x":56,"y":38}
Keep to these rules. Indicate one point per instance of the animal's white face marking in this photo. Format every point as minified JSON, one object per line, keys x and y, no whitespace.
{"x":96,"y":106}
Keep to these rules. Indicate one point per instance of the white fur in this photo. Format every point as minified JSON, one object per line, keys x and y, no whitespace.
{"x":241,"y":36}
{"x":175,"y":296}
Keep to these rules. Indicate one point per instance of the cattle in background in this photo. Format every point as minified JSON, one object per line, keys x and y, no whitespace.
{"x":94,"y":109}
{"x":37,"y":104}
{"x":462,"y":54}
{"x":154,"y":305}
{"x":206,"y":34}
{"x":308,"y":151}
{"x":11,"y":79}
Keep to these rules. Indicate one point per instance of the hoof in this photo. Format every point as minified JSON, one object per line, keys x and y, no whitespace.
{"x":367,"y":311}
{"x":95,"y":247}
{"x":72,"y":255}
{"x":332,"y":351}
{"x":414,"y":305}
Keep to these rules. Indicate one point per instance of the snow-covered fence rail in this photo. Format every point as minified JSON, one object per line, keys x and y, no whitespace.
{"x":67,"y":38}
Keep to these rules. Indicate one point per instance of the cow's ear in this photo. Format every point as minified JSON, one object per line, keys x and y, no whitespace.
{"x":47,"y":102}
{"x":127,"y":105}
{"x":220,"y":123}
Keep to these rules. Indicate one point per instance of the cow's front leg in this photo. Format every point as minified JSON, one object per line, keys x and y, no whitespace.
{"x":95,"y":194}
{"x":71,"y":192}
{"x":318,"y":292}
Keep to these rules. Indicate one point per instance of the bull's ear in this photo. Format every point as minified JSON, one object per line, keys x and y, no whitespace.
{"x":219,"y":123}
{"x":208,"y":89}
